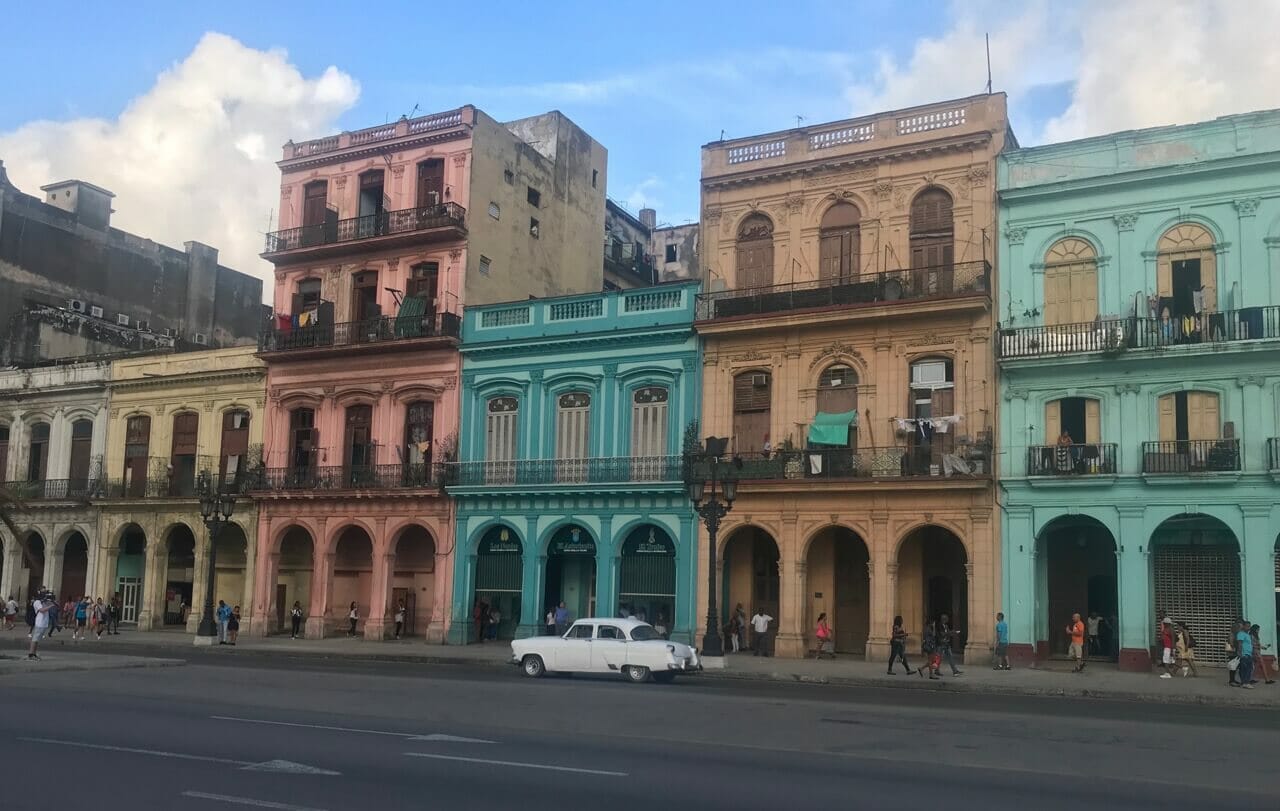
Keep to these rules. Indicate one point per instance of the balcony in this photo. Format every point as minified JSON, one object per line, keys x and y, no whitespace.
{"x":347,"y":478}
{"x":1127,"y":334}
{"x":444,"y":222}
{"x":1094,"y":459}
{"x":51,"y":490}
{"x":622,"y":259}
{"x":922,"y":462}
{"x":960,"y":280}
{"x":605,"y":470}
{"x":1185,"y":456}
{"x":369,"y":333}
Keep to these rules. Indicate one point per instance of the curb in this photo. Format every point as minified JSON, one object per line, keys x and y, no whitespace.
{"x":53,"y":665}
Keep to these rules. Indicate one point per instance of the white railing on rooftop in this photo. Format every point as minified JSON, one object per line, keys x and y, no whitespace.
{"x":507,"y":317}
{"x":931,"y":121}
{"x":756,"y":152}
{"x":652,"y":300}
{"x":844,"y":135}
{"x":435,"y":122}
{"x":572,"y":310}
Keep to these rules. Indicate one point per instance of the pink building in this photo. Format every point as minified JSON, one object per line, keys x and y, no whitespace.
{"x":385,"y":233}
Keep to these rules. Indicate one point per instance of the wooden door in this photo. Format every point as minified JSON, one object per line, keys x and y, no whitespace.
{"x":235,"y":446}
{"x":315,"y":203}
{"x":752,"y":402}
{"x":1203,"y":418}
{"x":186,"y":429}
{"x":359,"y":438}
{"x":81,"y":447}
{"x":1167,"y":412}
{"x":1052,"y":422}
{"x":1092,"y":422}
{"x":755,"y":264}
{"x":430,"y":183}
{"x":136,"y":450}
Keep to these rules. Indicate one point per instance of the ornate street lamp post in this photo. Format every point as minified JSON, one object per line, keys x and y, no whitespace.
{"x":216,"y":507}
{"x":709,"y":506}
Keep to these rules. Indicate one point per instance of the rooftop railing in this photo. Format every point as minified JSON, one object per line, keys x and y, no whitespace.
{"x":382,"y":329}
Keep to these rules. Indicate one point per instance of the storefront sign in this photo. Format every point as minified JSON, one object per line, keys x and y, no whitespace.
{"x":573,"y":542}
{"x":500,"y":542}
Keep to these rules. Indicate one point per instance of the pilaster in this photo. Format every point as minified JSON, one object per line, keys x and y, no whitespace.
{"x":1133,"y":573}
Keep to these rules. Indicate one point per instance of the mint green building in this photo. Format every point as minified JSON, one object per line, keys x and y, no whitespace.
{"x":1139,"y":352}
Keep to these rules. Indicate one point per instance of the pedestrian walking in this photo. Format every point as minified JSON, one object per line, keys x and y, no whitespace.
{"x":1166,"y":648}
{"x":295,"y":619}
{"x":113,"y":616}
{"x":825,"y":646}
{"x":561,"y":619}
{"x":929,"y":648}
{"x":1244,"y":652}
{"x":1094,"y":626}
{"x":495,"y":618}
{"x":353,"y":616}
{"x":101,"y":618}
{"x":898,"y":646}
{"x":67,"y":614}
{"x":82,"y":619}
{"x":399,"y":618}
{"x":1186,"y":649}
{"x":740,"y":617}
{"x":54,"y":615}
{"x":946,"y":638}
{"x":10,"y":613}
{"x":550,"y":621}
{"x":233,"y":626}
{"x":760,"y":623}
{"x":1075,"y":649}
{"x":31,"y":615}
{"x":1002,"y":643}
{"x":223,"y":614}
{"x":1259,"y":662}
{"x":40,"y":607}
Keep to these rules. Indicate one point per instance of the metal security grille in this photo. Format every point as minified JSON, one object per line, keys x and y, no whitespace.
{"x":1199,"y":585}
{"x":498,"y":573}
{"x":648,"y":576}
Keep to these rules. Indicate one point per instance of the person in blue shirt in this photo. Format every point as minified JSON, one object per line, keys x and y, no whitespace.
{"x":1002,"y":643}
{"x":1244,"y":650}
{"x":223,"y":615}
{"x":82,"y":619}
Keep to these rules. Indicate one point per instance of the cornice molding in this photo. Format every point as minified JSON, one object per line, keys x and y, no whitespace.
{"x":175,"y":381}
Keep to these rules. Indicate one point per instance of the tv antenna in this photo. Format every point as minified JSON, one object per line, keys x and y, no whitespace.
{"x":988,"y":37}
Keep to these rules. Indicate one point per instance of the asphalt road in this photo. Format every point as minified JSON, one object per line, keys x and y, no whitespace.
{"x":300,"y":735}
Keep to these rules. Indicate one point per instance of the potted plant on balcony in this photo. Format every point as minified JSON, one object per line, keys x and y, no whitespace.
{"x":793,"y":463}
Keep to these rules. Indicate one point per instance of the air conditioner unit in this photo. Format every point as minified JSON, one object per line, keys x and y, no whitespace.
{"x":95,"y":311}
{"x":759,"y":381}
{"x":144,"y":326}
{"x":76,"y":305}
{"x":170,"y":332}
{"x":122,"y":319}
{"x":202,"y":339}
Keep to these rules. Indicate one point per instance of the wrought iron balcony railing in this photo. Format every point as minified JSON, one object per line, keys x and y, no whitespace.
{"x":383,"y":329}
{"x":1089,"y":459}
{"x":604,"y":470}
{"x":52,"y":489}
{"x":958,"y":280}
{"x":342,"y":477}
{"x":1122,"y":334}
{"x":385,"y":223}
{"x":924,"y":460}
{"x":1191,"y":456}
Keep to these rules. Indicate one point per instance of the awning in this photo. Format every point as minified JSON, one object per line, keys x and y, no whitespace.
{"x":831,"y":429}
{"x":409,"y":320}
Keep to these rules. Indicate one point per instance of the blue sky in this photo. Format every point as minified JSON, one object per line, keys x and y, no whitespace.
{"x":650,"y":81}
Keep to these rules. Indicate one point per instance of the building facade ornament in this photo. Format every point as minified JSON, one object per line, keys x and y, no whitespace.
{"x":836,"y":350}
{"x":1015,"y":234}
{"x":1247,"y":207}
{"x":1125,"y":221}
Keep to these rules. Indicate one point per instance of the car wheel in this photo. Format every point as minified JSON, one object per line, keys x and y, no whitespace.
{"x":636,"y":673}
{"x":664,"y":678}
{"x":532,"y":666}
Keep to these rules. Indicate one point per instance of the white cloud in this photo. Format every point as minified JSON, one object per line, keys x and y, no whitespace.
{"x":193,"y":158}
{"x":642,"y":195}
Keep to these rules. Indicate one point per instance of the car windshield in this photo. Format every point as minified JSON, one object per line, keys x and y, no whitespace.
{"x":642,"y":632}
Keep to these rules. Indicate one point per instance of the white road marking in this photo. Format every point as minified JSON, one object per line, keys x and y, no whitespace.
{"x":516,"y":764}
{"x":246,"y":765}
{"x":407,"y":735}
{"x":227,"y":798}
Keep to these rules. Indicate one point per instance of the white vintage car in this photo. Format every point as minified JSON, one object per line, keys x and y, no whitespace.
{"x":625,"y":646}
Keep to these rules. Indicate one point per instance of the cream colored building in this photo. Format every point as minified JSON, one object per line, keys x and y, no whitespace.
{"x":847,"y":326}
{"x":174,"y":420}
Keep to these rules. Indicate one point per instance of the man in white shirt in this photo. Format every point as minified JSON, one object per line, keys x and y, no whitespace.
{"x":41,"y":604}
{"x":760,"y":623}
{"x":10,"y":613}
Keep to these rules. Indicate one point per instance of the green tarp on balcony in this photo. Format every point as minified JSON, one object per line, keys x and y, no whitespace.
{"x":409,"y":320}
{"x":831,"y":429}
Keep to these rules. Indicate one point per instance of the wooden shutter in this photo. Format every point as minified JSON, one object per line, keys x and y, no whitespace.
{"x":1168,"y":418}
{"x":649,"y":422}
{"x":829,"y":259}
{"x":755,"y":264}
{"x":430,"y":183}
{"x":1092,"y":422}
{"x":313,"y":210}
{"x":81,"y":445}
{"x":1209,"y":279}
{"x":1057,"y":296}
{"x":1052,"y":422}
{"x":501,"y":429}
{"x":1164,"y":277}
{"x":1084,"y":293}
{"x":943,"y":403}
{"x":359,"y":426}
{"x":751,"y":410}
{"x":186,"y":429}
{"x":1203,"y":418}
{"x":573,"y":426}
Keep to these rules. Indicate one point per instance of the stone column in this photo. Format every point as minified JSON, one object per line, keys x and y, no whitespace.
{"x":377,"y":624}
{"x":877,"y":641}
{"x":319,"y":619}
{"x":789,"y":638}
{"x":198,"y":583}
{"x":53,"y":558}
{"x":1253,"y":426}
{"x":883,"y":596}
{"x":440,"y":585}
{"x":264,"y":598}
{"x":1133,"y":573}
{"x":460,"y":629}
{"x":110,"y":561}
{"x":12,"y":566}
{"x":532,"y":610}
{"x":1020,"y":585}
{"x":151,"y":615}
{"x":249,"y":591}
{"x":1257,"y":567}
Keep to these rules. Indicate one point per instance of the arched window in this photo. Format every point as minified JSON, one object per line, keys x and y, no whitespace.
{"x":839,"y":243}
{"x":649,"y":421}
{"x":1187,"y":273}
{"x":304,"y":439}
{"x":81,"y":450}
{"x":419,"y":426}
{"x":754,"y":264}
{"x":38,"y":452}
{"x":573,"y":435}
{"x":932,"y":230}
{"x":1070,"y":282}
{"x":752,"y":400}
{"x":502,"y":423}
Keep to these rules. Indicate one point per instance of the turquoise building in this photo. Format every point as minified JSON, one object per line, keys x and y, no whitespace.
{"x":568,"y":485}
{"x":1139,"y":357}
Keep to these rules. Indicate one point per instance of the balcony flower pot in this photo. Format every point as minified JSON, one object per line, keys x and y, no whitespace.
{"x":794,"y":468}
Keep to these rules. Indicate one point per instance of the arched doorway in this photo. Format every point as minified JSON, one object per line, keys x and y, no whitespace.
{"x":751,"y":574}
{"x":180,"y":573}
{"x":1195,"y":578}
{"x":932,"y":581}
{"x":647,"y":576}
{"x":352,"y":579}
{"x":75,"y":567}
{"x":229,"y":565}
{"x":293,"y":580}
{"x":414,"y":580}
{"x":1077,"y":575}
{"x":34,"y":563}
{"x":839,"y":584}
{"x":499,"y":580}
{"x":130,"y":569}
{"x":571,"y":571}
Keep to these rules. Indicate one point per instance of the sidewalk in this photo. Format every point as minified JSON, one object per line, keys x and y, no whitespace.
{"x":14,"y":662}
{"x":1053,"y":679}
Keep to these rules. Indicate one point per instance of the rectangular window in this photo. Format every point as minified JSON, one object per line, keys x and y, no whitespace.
{"x":573,"y":436}
{"x":535,"y":197}
{"x":509,"y":176}
{"x":235,"y":445}
{"x":595,"y":177}
{"x":533,"y":228}
{"x":182,"y":458}
{"x":306,"y":439}
{"x":484,"y":266}
{"x":430,"y":182}
{"x":501,"y":434}
{"x":672,"y":253}
{"x":137,"y":447}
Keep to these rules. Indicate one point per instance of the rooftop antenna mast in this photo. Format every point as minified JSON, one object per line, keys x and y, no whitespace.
{"x":988,"y":37}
